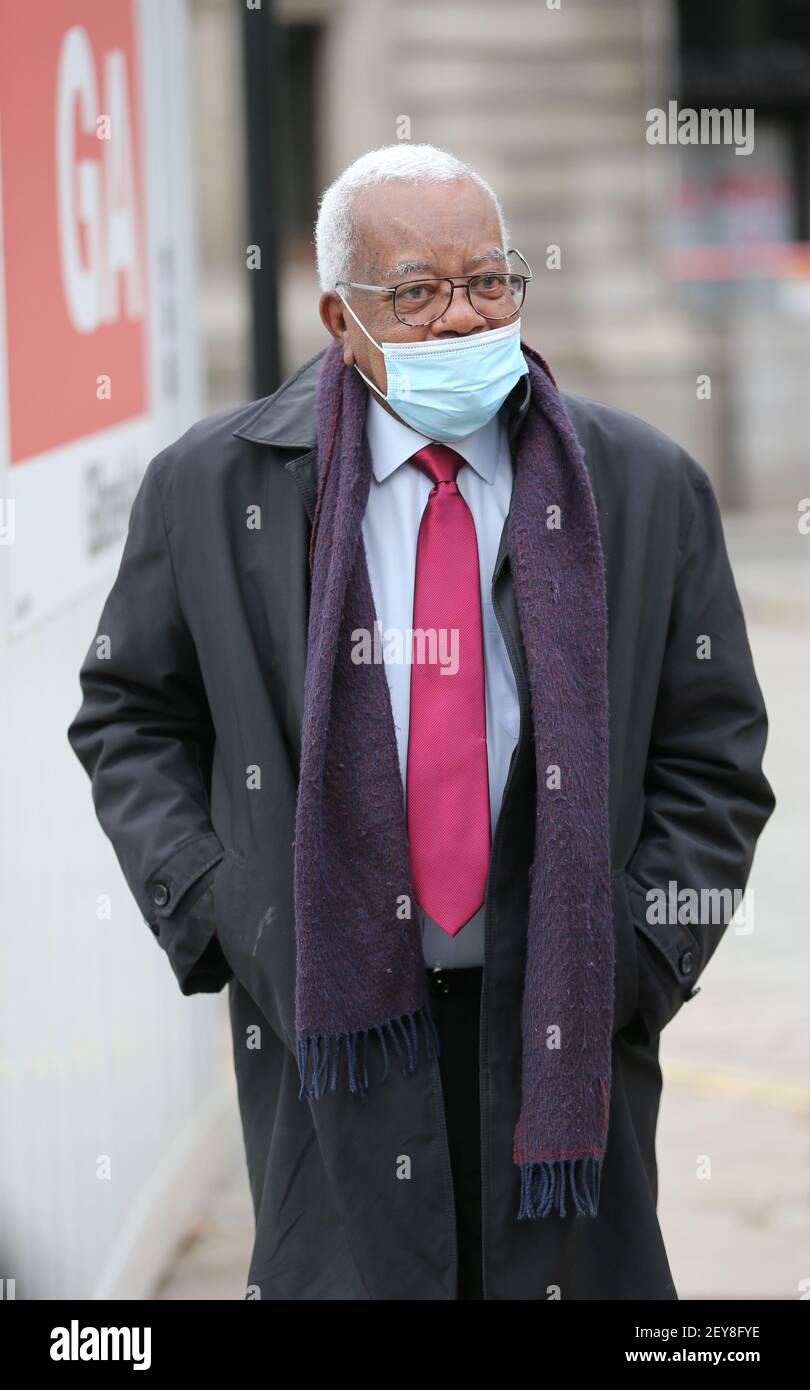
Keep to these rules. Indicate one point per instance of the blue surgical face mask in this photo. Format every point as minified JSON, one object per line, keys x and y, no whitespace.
{"x":447,"y":387}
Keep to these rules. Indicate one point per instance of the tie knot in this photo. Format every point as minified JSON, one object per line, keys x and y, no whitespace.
{"x":440,"y":463}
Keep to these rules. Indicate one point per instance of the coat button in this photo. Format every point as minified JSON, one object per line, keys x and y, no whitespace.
{"x":687,"y":961}
{"x":160,"y":895}
{"x":438,"y":979}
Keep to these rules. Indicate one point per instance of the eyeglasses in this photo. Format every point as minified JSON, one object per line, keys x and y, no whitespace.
{"x":493,"y":295}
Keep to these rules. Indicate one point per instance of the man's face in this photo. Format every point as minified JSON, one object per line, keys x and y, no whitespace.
{"x":406,"y":232}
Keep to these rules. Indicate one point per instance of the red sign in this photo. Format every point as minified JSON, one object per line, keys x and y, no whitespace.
{"x":72,"y":218}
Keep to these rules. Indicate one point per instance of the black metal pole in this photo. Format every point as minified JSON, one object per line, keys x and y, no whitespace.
{"x":264,"y":148}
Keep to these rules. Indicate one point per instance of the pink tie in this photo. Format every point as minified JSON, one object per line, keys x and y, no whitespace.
{"x":447,"y":773}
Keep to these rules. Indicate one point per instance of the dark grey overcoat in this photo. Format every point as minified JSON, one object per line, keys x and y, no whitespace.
{"x":203,"y":681}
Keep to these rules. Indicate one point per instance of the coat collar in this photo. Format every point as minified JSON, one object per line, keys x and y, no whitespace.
{"x":286,"y":420}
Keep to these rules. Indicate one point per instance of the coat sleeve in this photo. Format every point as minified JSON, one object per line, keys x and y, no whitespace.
{"x":143,"y":734}
{"x":706,"y":797}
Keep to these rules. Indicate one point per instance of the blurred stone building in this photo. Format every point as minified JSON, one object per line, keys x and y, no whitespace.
{"x":683,"y":289}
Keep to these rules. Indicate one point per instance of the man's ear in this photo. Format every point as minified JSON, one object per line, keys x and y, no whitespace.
{"x":335,"y":320}
{"x":333,"y":314}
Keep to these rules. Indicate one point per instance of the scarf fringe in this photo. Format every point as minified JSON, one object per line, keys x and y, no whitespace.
{"x":320,"y":1053}
{"x":543,"y":1186}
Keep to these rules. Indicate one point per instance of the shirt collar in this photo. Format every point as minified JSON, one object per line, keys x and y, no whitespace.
{"x":392,"y":442}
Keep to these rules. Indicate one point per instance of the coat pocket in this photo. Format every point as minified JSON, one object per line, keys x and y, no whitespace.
{"x":189,"y":937}
{"x":229,"y":890}
{"x":201,"y":896}
{"x":625,"y":948}
{"x":251,"y":929}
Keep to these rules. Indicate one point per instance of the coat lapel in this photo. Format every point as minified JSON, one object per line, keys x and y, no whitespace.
{"x":304,"y":470}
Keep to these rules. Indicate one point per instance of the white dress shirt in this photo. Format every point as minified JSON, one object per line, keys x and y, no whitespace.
{"x":397,"y":498}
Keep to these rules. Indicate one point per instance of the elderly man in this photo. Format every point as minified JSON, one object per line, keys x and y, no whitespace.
{"x":426,"y":683}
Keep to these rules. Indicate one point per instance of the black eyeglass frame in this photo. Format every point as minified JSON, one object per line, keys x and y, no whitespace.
{"x":454,"y":285}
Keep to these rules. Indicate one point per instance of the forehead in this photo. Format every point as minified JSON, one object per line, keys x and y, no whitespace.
{"x":439,"y":226}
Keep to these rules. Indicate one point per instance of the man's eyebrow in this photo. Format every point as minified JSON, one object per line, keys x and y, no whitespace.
{"x":409,"y":268}
{"x":496,"y":254}
{"x":415,"y":267}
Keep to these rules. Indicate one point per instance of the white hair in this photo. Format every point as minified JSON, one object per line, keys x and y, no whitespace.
{"x":335,"y":234}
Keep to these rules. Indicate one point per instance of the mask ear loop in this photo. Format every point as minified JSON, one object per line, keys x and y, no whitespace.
{"x":371,"y":340}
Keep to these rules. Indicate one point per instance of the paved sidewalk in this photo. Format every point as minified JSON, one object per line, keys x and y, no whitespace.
{"x":213,"y":1261}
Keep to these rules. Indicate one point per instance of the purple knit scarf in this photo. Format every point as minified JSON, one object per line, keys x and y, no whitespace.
{"x":361,"y":985}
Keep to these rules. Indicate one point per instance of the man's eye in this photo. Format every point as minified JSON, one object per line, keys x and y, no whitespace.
{"x":415,"y":294}
{"x":488,"y":283}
